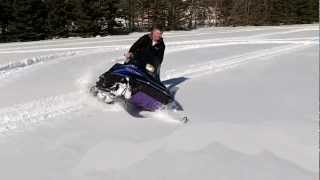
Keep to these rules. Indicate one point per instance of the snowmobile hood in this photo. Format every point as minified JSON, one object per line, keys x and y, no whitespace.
{"x":139,"y":75}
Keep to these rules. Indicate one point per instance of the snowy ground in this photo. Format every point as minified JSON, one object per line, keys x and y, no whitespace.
{"x":251,"y":93}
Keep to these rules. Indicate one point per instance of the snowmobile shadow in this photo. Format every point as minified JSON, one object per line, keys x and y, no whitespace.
{"x":171,"y":84}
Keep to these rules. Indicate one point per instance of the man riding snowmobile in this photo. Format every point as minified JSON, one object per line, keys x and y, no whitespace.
{"x":147,"y":53}
{"x":137,"y":81}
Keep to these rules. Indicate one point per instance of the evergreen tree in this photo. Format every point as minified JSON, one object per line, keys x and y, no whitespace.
{"x":5,"y":15}
{"x":303,"y":11}
{"x":97,"y":17}
{"x":29,"y":22}
{"x":315,"y":10}
{"x":22,"y":20}
{"x":59,"y":17}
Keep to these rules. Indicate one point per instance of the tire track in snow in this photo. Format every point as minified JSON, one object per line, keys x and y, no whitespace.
{"x":226,"y":42}
{"x":108,"y":48}
{"x":230,"y":62}
{"x":285,"y":32}
{"x":23,"y":115}
{"x":248,"y":40}
{"x":82,"y":41}
{"x":13,"y":67}
{"x":176,"y":47}
{"x":194,"y":43}
{"x":120,"y":47}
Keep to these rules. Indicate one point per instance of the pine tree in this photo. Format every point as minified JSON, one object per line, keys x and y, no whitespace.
{"x":179,"y":14}
{"x":40,"y":19}
{"x":5,"y":15}
{"x":58,"y":17}
{"x":315,"y":10}
{"x":97,"y":17}
{"x":304,"y":11}
{"x":29,"y":20}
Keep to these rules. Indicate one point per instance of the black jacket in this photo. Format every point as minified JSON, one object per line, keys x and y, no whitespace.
{"x":144,"y":53}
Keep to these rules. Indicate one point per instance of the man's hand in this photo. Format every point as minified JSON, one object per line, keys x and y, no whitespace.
{"x":128,"y":56}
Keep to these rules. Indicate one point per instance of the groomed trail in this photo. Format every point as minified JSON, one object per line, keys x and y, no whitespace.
{"x":251,"y":94}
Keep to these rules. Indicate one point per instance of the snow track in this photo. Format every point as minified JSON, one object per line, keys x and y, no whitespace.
{"x":13,"y":67}
{"x":22,"y":116}
{"x":173,"y":47}
{"x":77,"y":44}
{"x":108,"y":39}
{"x":217,"y":65}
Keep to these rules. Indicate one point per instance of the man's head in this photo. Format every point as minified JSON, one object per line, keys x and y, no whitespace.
{"x":156,"y":33}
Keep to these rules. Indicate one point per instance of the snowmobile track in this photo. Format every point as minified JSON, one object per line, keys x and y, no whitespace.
{"x":216,"y":65}
{"x":30,"y":113}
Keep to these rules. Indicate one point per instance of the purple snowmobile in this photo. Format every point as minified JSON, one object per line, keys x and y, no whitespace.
{"x":134,"y":85}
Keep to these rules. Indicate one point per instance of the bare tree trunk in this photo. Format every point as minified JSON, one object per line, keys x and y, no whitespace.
{"x":131,"y":15}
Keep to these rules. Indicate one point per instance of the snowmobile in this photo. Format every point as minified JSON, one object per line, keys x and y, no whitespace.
{"x":134,"y":85}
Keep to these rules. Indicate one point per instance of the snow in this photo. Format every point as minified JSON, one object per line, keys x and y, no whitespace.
{"x":251,"y":94}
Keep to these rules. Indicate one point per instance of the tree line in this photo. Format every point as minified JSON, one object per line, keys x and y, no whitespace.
{"x":24,"y":20}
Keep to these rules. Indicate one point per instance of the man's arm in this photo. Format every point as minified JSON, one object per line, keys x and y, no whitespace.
{"x":137,"y":45}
